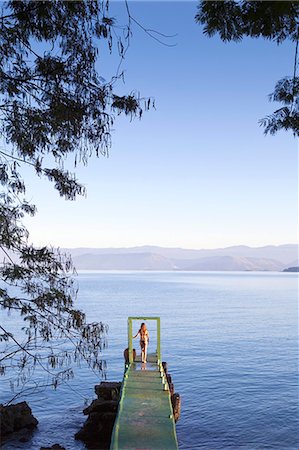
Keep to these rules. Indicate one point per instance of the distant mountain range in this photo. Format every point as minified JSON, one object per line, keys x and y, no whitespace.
{"x":237,"y":258}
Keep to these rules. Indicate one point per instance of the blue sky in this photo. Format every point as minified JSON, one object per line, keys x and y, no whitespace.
{"x":196,"y":172}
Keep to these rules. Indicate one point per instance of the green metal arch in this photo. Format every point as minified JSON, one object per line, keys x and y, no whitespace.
{"x":130,"y":336}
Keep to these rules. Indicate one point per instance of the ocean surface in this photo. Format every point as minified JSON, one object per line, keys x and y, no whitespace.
{"x":230,"y":340}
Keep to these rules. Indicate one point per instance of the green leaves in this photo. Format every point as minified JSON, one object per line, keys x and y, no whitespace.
{"x":53,"y":103}
{"x":281,"y":119}
{"x":273,"y":20}
{"x":53,"y":100}
{"x":286,"y":91}
{"x":66,"y":183}
{"x":285,"y":118}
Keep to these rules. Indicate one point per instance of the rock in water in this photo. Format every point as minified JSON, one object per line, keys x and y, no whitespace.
{"x":126,"y":355}
{"x":108,"y":390}
{"x":97,"y":430}
{"x":54,"y":447}
{"x":101,"y":406}
{"x":15,"y":417}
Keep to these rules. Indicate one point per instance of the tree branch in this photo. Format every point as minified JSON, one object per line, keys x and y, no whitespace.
{"x":15,"y":158}
{"x":149,"y":31}
{"x":294,"y":76}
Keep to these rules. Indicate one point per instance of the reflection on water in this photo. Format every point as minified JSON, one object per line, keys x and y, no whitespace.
{"x":230,"y":340}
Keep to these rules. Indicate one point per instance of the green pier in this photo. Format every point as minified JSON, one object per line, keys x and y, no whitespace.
{"x":145,"y":419}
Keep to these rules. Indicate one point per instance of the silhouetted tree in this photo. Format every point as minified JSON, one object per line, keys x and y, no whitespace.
{"x":274,"y":20}
{"x":53,"y":103}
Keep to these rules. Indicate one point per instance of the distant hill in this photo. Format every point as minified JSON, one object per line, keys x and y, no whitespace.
{"x":123,"y":261}
{"x":283,"y":253}
{"x":235,"y":263}
{"x":294,"y":263}
{"x":268,"y":258}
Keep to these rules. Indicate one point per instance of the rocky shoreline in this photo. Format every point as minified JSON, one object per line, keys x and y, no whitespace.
{"x":96,"y":431}
{"x":14,"y":418}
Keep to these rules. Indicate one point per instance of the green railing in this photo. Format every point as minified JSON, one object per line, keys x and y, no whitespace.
{"x":130,"y":336}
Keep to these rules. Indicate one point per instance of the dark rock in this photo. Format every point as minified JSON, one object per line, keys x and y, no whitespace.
{"x":101,"y":406}
{"x":126,"y":354}
{"x":54,"y":447}
{"x":108,"y":418}
{"x":91,"y":428}
{"x":97,"y":430}
{"x":15,"y":417}
{"x":108,"y":390}
{"x":95,"y":423}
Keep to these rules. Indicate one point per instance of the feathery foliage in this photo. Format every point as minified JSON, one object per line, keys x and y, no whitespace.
{"x":273,"y":20}
{"x":53,"y":104}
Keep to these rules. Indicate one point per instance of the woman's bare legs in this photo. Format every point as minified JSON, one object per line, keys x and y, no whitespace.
{"x":145,"y":353}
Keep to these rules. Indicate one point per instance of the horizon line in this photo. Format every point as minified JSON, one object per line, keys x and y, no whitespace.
{"x":182,"y":248}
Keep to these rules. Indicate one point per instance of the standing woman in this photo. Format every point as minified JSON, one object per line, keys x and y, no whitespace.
{"x":144,"y":340}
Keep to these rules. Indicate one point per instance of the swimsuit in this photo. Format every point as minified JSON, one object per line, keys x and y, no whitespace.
{"x":143,"y":339}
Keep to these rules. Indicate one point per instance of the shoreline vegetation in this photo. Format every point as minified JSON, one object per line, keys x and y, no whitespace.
{"x":291,"y":269}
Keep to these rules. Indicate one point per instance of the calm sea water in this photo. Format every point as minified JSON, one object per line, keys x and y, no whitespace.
{"x":230,"y":340}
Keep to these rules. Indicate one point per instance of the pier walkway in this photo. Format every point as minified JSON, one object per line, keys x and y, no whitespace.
{"x":145,"y":417}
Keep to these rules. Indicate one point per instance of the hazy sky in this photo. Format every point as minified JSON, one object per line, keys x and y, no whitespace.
{"x":197,"y":172}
